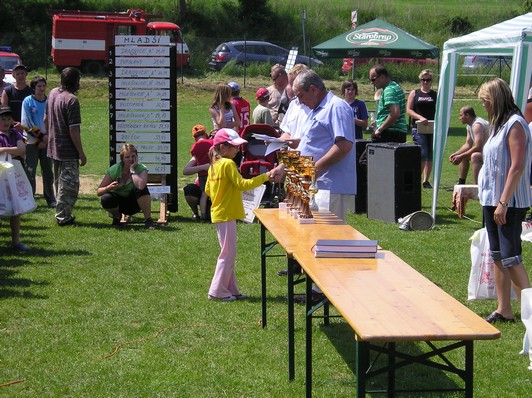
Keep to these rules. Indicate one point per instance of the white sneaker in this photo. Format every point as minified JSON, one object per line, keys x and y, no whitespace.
{"x":228,"y":298}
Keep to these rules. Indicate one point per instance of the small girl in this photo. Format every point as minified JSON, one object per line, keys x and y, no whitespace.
{"x":223,"y":111}
{"x":12,"y":143}
{"x":224,"y":187}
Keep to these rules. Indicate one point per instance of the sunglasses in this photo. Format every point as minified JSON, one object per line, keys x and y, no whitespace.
{"x":426,"y":80}
{"x":373,"y":78}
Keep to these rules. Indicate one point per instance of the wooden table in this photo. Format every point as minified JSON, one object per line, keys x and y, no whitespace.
{"x":291,"y":235}
{"x":384,"y":300}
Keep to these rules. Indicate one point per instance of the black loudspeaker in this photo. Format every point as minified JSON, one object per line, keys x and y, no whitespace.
{"x":361,"y":199}
{"x":394,"y":180}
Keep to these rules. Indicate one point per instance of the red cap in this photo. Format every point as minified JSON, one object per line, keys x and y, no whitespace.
{"x":262,"y":93}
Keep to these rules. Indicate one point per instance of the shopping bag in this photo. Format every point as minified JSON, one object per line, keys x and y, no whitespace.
{"x":6,"y":206}
{"x":482,"y":277}
{"x":526,"y":232}
{"x":526,"y":318}
{"x":18,"y":188}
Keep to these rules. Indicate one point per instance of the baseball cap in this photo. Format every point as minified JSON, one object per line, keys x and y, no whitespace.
{"x":262,"y":93}
{"x":197,"y":129}
{"x":234,"y":86}
{"x":4,"y":110}
{"x":20,"y":66}
{"x":228,"y":135}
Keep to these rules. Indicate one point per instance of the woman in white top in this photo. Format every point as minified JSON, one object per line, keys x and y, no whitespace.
{"x":223,"y":111}
{"x":504,"y":191}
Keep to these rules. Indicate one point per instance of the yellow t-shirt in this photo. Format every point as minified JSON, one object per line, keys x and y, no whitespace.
{"x":224,"y":186}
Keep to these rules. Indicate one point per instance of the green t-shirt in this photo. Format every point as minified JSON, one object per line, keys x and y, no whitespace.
{"x":392,"y":94}
{"x":115,"y":172}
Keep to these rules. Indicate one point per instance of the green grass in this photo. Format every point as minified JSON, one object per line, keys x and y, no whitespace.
{"x":86,"y":291}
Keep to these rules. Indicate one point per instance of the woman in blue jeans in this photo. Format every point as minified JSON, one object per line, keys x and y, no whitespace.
{"x":504,"y":191}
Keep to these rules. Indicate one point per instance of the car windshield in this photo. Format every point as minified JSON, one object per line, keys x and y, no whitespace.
{"x":8,"y":63}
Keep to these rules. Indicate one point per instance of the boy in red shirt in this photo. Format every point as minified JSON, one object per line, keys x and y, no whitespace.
{"x":199,"y":163}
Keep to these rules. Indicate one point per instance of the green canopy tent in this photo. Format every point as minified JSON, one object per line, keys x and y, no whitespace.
{"x":376,"y":39}
{"x":508,"y":38}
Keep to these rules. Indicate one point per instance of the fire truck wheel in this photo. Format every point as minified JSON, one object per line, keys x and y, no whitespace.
{"x":93,"y":68}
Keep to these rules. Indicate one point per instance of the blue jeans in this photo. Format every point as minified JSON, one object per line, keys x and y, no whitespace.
{"x":505,"y":240}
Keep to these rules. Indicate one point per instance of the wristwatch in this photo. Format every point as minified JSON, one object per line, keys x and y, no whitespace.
{"x":132,"y":172}
{"x":503,"y":204}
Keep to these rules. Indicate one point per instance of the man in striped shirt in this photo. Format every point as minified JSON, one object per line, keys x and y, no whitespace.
{"x":63,"y":120}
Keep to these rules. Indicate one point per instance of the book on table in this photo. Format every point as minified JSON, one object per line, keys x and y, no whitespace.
{"x":329,"y":254}
{"x":346,"y":248}
{"x":350,"y":246}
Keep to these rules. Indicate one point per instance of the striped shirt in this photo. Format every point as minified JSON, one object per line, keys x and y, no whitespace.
{"x":392,"y":95}
{"x":494,"y":172}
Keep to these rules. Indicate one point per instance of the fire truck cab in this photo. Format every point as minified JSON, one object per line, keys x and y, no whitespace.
{"x":8,"y":61}
{"x":82,"y":38}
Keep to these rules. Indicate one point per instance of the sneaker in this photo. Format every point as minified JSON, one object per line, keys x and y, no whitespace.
{"x":148,"y":224}
{"x":20,"y":247}
{"x":240,"y":296}
{"x":196,"y":217}
{"x":116,"y":222}
{"x":228,"y":298}
{"x":427,"y":185}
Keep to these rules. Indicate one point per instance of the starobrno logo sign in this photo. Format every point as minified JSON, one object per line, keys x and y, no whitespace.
{"x":372,"y":37}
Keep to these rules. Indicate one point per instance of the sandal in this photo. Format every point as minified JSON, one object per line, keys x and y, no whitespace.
{"x":496,"y":317}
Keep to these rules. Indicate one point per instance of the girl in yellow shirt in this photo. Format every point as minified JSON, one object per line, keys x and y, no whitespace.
{"x":224,"y":186}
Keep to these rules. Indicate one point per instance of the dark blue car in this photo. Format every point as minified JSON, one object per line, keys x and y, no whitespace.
{"x":254,"y":51}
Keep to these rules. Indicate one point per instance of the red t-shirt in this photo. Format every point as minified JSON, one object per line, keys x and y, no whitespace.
{"x":200,"y":150}
{"x":244,"y":112}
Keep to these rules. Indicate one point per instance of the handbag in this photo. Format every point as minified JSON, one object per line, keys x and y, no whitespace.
{"x":482,"y":277}
{"x":18,"y":197}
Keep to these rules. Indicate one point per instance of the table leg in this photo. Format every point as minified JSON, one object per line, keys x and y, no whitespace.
{"x":263,"y":272}
{"x":291,"y":326}
{"x":308,"y":337}
{"x":362,"y":363}
{"x":469,"y":369}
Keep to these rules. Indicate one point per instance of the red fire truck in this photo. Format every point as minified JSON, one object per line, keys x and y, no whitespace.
{"x":82,"y":38}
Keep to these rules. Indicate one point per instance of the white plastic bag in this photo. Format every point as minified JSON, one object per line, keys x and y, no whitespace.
{"x":526,"y":318}
{"x":18,"y":189}
{"x":526,"y":232}
{"x":482,"y":277}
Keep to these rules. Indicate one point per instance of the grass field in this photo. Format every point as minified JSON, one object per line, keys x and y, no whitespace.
{"x":93,"y":311}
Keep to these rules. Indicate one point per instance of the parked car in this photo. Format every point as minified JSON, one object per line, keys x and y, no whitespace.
{"x":347,"y":63}
{"x":8,"y":60}
{"x":254,"y":51}
{"x":475,"y":62}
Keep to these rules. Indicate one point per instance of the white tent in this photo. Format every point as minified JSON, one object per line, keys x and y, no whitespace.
{"x":509,"y":38}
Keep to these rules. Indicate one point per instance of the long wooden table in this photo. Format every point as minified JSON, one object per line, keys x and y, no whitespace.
{"x":291,"y":236}
{"x":384,"y":300}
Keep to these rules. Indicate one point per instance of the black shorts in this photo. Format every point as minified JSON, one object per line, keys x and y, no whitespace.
{"x":126,"y":205}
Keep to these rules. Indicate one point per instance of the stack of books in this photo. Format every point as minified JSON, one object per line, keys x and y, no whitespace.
{"x":346,"y":248}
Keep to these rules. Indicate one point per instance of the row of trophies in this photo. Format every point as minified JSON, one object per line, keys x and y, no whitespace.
{"x":300,"y":185}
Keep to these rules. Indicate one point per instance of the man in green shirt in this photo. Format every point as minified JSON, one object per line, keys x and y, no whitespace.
{"x":391,"y":108}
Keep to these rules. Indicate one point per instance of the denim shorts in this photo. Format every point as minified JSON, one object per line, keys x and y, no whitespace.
{"x":505,"y":240}
{"x":425,"y":142}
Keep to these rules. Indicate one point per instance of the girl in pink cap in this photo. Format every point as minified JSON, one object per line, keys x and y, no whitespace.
{"x":224,"y":186}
